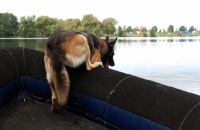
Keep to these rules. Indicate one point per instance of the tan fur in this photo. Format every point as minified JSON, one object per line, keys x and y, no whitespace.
{"x":76,"y":51}
{"x":68,"y":48}
{"x":51,"y":78}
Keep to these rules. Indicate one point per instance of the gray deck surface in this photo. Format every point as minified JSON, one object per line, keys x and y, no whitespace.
{"x":34,"y":116}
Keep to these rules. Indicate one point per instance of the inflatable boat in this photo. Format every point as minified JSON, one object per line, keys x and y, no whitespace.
{"x":108,"y":98}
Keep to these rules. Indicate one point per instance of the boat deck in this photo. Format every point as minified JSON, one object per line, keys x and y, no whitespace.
{"x":34,"y":116}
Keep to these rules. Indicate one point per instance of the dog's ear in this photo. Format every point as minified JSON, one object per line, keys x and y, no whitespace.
{"x":114,"y":41}
{"x":107,"y":39}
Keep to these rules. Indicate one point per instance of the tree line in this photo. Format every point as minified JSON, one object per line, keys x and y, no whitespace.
{"x":153,"y":31}
{"x":43,"y":26}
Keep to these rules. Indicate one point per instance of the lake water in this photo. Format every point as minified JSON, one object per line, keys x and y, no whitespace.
{"x":171,"y":61}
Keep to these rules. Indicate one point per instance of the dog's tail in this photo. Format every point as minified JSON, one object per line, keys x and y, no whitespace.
{"x":60,"y":77}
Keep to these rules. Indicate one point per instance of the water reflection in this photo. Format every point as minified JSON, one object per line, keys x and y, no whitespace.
{"x":32,"y":43}
{"x":174,"y":62}
{"x":170,"y":40}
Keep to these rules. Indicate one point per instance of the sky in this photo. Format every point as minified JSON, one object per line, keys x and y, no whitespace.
{"x":134,"y":13}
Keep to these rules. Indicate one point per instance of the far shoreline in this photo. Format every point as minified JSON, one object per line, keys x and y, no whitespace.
{"x":114,"y":35}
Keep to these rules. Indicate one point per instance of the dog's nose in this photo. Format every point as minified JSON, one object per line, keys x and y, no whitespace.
{"x":112,"y":64}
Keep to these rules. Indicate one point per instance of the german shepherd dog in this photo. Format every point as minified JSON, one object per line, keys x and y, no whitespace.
{"x":69,"y":48}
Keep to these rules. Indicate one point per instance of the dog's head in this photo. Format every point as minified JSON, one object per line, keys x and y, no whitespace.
{"x":107,"y":58}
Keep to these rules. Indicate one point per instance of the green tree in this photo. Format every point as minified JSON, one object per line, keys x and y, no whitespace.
{"x":58,"y":25}
{"x":155,"y":28}
{"x":119,"y":31}
{"x":153,"y":31}
{"x":191,"y":28}
{"x":108,"y":25}
{"x":142,"y":28}
{"x":145,"y":34}
{"x":182,"y":28}
{"x":72,"y":24}
{"x":26,"y":26}
{"x":129,"y":29}
{"x":8,"y":25}
{"x":170,"y":29}
{"x":44,"y":24}
{"x":135,"y":29}
{"x":90,"y":23}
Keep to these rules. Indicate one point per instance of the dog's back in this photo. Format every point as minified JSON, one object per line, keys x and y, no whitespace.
{"x":56,"y":39}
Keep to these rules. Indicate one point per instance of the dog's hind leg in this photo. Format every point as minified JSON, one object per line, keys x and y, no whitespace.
{"x":54,"y":107}
{"x":60,"y":78}
{"x":62,"y":86}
